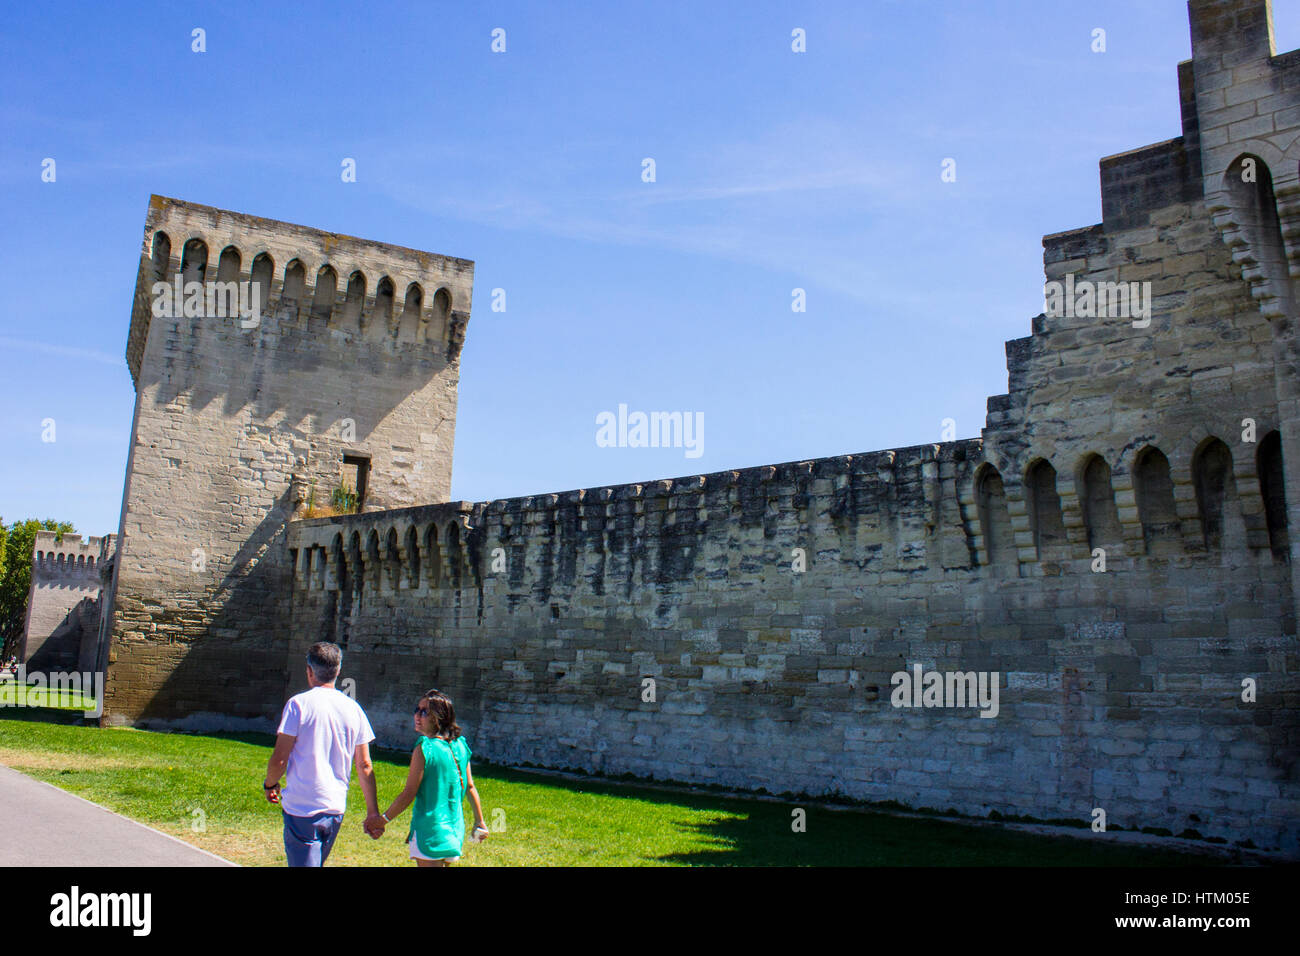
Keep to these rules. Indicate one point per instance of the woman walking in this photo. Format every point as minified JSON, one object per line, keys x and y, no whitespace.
{"x":437,"y":782}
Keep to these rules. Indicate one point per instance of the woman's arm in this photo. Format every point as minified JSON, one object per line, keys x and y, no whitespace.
{"x":473,"y":799}
{"x":413,"y":778}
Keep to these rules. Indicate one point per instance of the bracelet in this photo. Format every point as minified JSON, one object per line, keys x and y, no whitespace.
{"x":272,"y":786}
{"x":385,"y":816}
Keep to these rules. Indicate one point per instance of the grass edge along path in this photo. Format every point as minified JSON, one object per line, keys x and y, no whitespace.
{"x":206,"y":790}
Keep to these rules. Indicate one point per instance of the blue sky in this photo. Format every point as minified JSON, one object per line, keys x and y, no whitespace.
{"x":775,"y":171}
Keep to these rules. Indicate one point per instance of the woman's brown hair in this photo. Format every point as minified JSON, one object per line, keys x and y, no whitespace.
{"x":443,"y":715}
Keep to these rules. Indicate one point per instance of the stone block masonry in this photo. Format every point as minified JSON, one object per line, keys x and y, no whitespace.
{"x":1116,"y":551}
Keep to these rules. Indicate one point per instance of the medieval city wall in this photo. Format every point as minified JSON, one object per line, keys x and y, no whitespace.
{"x":1118,"y":546}
{"x":1119,"y":690}
{"x":1150,"y":443}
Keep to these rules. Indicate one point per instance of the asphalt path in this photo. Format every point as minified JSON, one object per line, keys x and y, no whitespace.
{"x":41,"y":825}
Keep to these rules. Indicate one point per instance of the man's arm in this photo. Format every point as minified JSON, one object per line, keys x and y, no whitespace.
{"x":366,"y":774}
{"x":276,"y":766}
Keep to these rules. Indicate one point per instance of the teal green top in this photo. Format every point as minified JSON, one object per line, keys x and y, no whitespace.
{"x":438,"y":817}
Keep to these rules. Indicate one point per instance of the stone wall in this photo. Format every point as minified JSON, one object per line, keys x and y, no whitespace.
{"x":1118,"y":689}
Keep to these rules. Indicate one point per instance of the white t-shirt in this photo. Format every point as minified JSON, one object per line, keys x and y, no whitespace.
{"x":330,"y":726}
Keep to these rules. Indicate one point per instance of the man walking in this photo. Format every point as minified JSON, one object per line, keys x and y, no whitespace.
{"x":322,"y":731}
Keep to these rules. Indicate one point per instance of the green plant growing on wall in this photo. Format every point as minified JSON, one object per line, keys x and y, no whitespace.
{"x":344,"y":499}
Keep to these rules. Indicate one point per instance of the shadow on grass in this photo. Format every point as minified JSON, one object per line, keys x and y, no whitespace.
{"x":48,"y":715}
{"x":764,"y":837}
{"x":740,"y":832}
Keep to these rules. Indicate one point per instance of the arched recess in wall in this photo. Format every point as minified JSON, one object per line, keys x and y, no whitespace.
{"x":435,"y":557}
{"x":1100,"y":515}
{"x":261,"y":273}
{"x":194,"y":260}
{"x":354,"y":550}
{"x":1155,"y":500}
{"x":995,"y":520}
{"x":412,"y":557}
{"x":1249,"y":182}
{"x":393,"y":560}
{"x":408,"y":326}
{"x":1045,"y":511}
{"x":439,"y":317}
{"x":452,"y":538}
{"x":1272,"y":487}
{"x":228,"y":265}
{"x":355,"y":302}
{"x":374,"y":563}
{"x":294,"y":288}
{"x":340,"y":565}
{"x":1216,"y":490}
{"x":162,"y":254}
{"x":322,"y":300}
{"x":321,"y":567}
{"x":380,"y":320}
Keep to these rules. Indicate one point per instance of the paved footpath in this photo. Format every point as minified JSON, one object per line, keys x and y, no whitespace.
{"x":41,"y":825}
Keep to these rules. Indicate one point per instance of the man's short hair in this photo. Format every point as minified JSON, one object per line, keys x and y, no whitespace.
{"x":325,"y":660}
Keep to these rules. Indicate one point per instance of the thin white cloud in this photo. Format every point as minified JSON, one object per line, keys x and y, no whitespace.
{"x":64,"y":351}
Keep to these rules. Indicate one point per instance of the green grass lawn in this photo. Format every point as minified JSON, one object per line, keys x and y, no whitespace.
{"x":163,"y":779}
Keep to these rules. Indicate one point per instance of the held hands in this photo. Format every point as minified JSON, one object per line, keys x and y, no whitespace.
{"x":374,"y":826}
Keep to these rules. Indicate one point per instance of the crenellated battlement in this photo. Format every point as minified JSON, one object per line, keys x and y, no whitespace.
{"x":307,"y":280}
{"x":52,"y":555}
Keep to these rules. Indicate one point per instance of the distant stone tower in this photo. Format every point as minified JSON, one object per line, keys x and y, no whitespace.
{"x":63,"y":605}
{"x":347,"y":373}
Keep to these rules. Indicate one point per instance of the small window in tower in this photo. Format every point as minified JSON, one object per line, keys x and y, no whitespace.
{"x":356,"y":472}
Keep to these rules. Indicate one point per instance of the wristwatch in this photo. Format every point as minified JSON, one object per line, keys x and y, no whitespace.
{"x":271,"y":786}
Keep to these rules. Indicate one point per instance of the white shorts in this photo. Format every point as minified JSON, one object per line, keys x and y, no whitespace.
{"x":417,"y":855}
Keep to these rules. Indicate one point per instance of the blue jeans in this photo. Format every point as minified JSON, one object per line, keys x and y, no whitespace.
{"x":308,"y":840}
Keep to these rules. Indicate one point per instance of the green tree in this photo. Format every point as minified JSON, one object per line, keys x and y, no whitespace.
{"x":16,"y":576}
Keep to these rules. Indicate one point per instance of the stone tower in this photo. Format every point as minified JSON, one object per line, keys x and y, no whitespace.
{"x":1247,"y":104}
{"x":63,"y":603}
{"x":272,"y":363}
